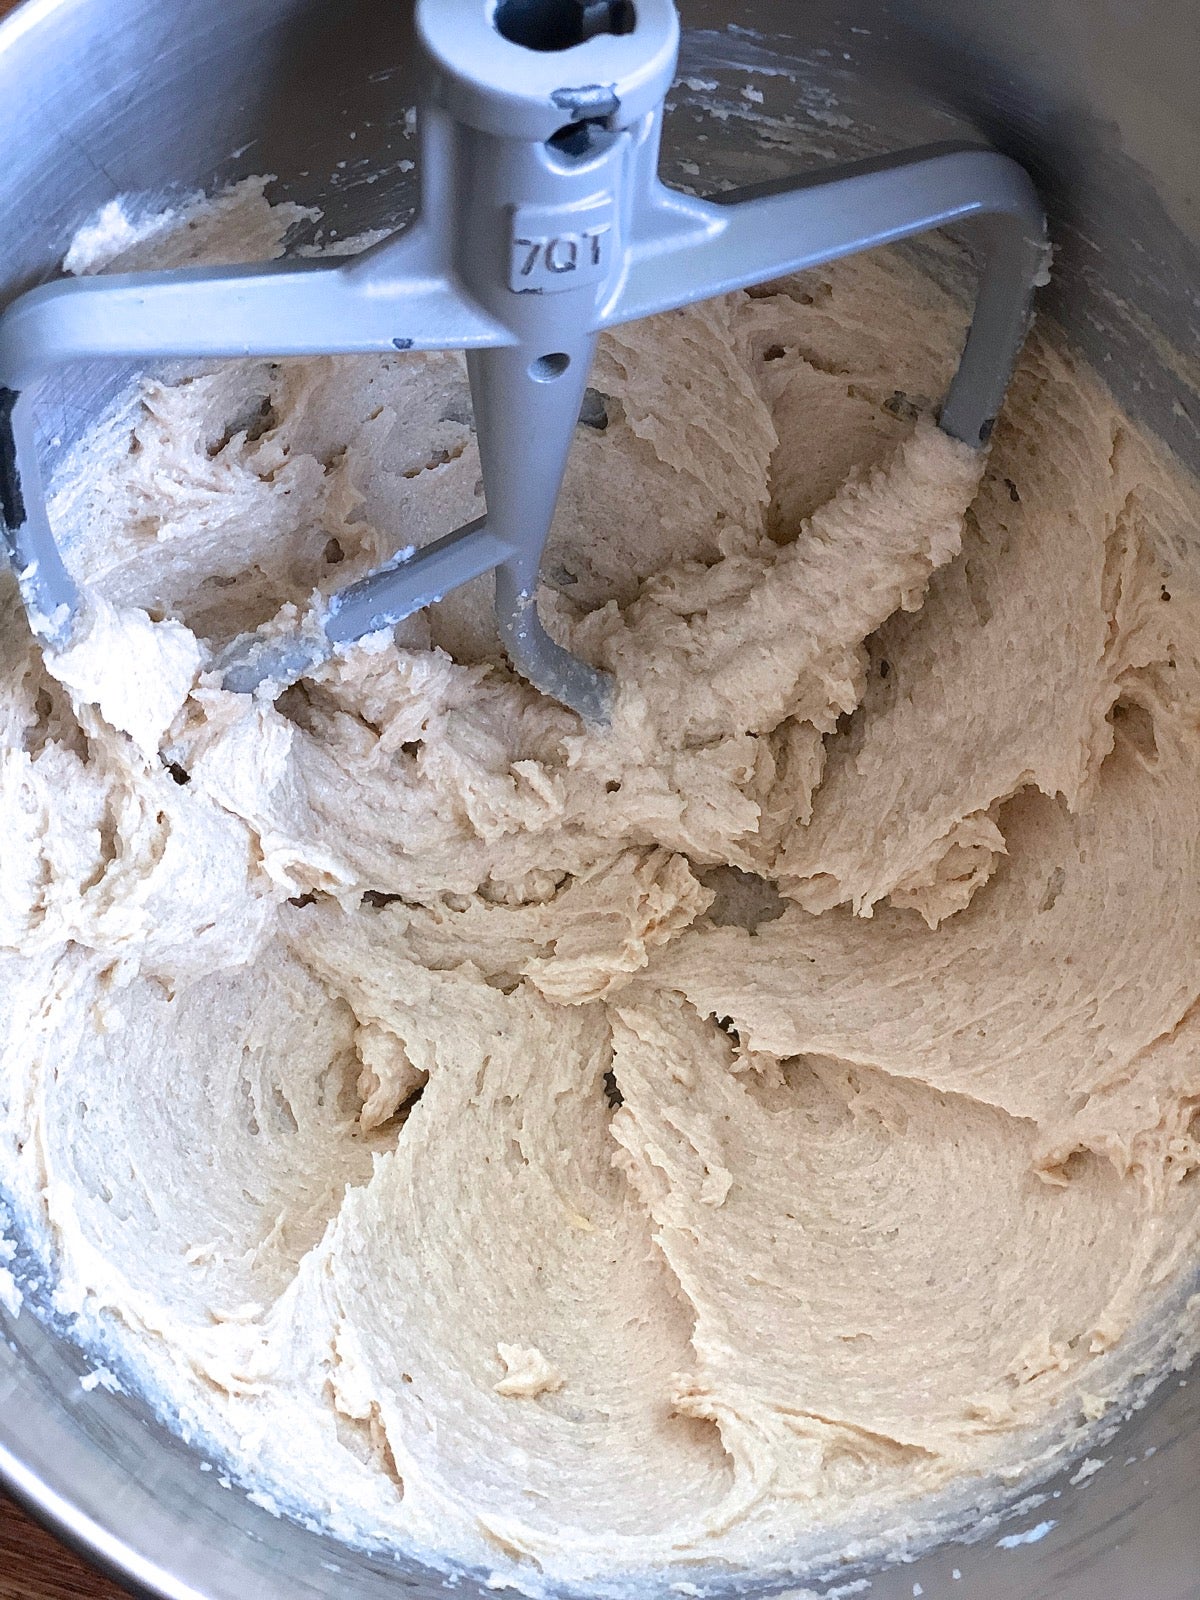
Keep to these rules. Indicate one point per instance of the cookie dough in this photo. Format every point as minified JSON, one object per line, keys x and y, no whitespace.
{"x":574,"y":1152}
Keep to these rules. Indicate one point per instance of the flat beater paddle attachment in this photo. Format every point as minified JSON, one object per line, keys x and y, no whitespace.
{"x":542,"y":222}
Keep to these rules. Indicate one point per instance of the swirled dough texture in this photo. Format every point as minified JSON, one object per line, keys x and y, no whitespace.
{"x":577,"y":1151}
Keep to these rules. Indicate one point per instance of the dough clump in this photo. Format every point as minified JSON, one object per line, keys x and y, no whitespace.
{"x":574,"y":1152}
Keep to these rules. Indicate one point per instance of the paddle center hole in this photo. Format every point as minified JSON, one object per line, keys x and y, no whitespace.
{"x":546,"y":368}
{"x":562,"y":24}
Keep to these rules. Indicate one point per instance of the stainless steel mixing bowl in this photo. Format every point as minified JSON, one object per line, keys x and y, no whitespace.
{"x":1097,"y":97}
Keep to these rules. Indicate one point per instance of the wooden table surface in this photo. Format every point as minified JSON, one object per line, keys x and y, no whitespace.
{"x":33,"y":1566}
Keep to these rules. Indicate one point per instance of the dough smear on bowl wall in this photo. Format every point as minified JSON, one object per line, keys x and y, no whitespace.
{"x":577,"y":1151}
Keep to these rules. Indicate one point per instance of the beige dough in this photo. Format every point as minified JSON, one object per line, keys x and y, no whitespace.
{"x":574,"y":1152}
